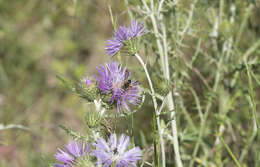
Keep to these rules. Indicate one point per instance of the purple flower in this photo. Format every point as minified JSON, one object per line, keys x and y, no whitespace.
{"x":115,"y":79}
{"x":114,"y":44}
{"x":136,"y":30}
{"x":116,"y":151}
{"x":68,"y":156}
{"x":123,"y":34}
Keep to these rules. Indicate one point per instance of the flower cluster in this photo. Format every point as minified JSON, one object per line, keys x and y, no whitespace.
{"x":115,"y":79}
{"x":124,"y":34}
{"x":112,"y":87}
{"x":107,"y":153}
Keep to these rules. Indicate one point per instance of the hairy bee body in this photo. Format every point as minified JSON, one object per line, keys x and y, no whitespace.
{"x":126,"y":84}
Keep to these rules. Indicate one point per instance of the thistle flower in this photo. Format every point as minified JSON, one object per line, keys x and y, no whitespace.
{"x":71,"y":154}
{"x":124,"y":34}
{"x":115,"y":80}
{"x":136,"y":30}
{"x":116,"y":152}
{"x":114,"y":44}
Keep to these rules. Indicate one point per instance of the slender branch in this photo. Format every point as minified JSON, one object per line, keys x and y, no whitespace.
{"x":171,"y":103}
{"x":230,"y":152}
{"x":155,"y":108}
{"x":13,"y":126}
{"x":156,"y":33}
{"x":248,"y":144}
{"x":160,"y":6}
{"x":163,"y":52}
{"x":128,"y":9}
{"x":192,"y":6}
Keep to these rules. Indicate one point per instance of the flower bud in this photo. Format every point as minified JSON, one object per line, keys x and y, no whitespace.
{"x":161,"y":85}
{"x":131,"y":47}
{"x":93,"y":119}
{"x":84,"y":162}
{"x":87,"y":89}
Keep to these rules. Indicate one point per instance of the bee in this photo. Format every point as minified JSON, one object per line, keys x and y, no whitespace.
{"x":115,"y":151}
{"x":126,"y":84}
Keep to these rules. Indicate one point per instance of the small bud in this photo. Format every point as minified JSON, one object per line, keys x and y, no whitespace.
{"x":93,"y":119}
{"x":84,"y":162}
{"x":131,"y":47}
{"x":87,"y":89}
{"x":161,"y":86}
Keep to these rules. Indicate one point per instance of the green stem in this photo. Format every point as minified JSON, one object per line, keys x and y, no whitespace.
{"x":251,"y":93}
{"x":229,"y":151}
{"x":155,"y":108}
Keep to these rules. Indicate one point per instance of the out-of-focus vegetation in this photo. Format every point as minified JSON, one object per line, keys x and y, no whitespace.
{"x":214,"y":70}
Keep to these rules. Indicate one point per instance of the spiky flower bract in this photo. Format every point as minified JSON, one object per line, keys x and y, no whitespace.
{"x":115,"y":151}
{"x":70,"y":154}
{"x":124,"y":34}
{"x":87,"y":89}
{"x":115,"y":80}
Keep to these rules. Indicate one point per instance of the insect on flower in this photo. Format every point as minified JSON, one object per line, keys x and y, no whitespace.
{"x":127,"y":84}
{"x":115,"y":79}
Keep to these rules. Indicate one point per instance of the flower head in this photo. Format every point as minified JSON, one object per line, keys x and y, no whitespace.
{"x":116,"y":152}
{"x":72,"y":152}
{"x":123,"y":34}
{"x":115,"y":79}
{"x":136,"y":30}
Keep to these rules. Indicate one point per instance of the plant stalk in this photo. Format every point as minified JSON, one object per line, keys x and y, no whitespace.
{"x":155,"y":108}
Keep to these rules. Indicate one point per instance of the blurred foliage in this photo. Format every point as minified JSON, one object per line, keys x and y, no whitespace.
{"x":39,"y":39}
{"x":214,"y":51}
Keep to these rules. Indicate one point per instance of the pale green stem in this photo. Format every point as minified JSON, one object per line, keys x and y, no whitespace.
{"x":156,"y":33}
{"x":163,"y":52}
{"x":170,"y":96}
{"x":128,"y":9}
{"x":155,"y":108}
{"x":171,"y":104}
{"x":13,"y":126}
{"x":248,"y":144}
{"x":230,"y":152}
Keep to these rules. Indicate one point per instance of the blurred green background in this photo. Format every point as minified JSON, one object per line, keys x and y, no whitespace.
{"x":39,"y":39}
